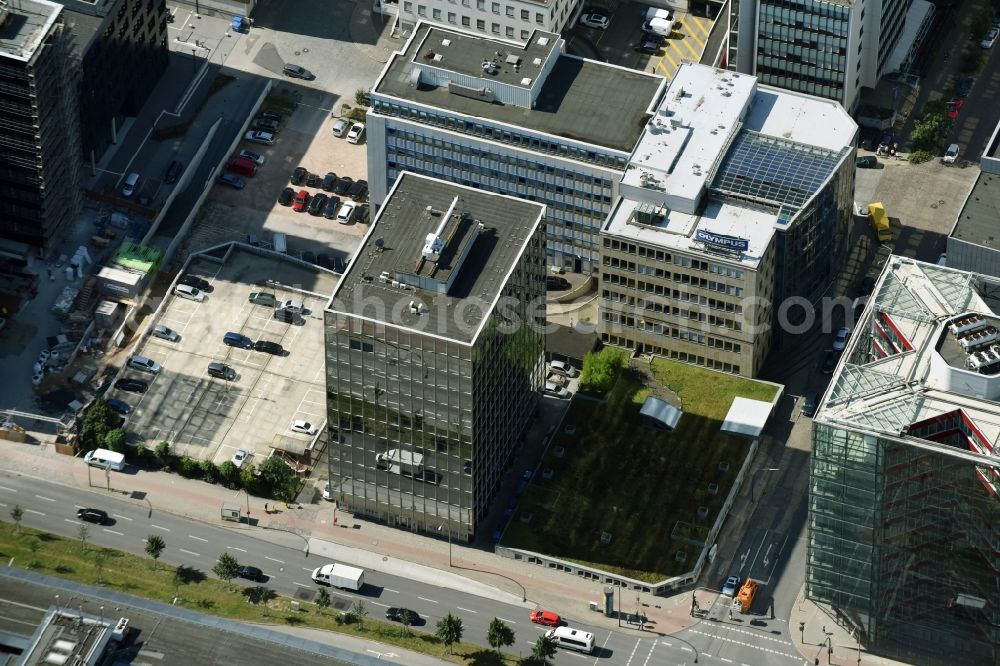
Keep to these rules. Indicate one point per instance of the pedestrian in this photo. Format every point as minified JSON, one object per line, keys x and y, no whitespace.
{"x":266,"y":510}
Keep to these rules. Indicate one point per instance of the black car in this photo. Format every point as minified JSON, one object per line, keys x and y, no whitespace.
{"x":198,"y":283}
{"x":556,"y":283}
{"x":343,"y":185}
{"x":313,"y":180}
{"x":809,"y":406}
{"x":398,"y":614}
{"x":173,"y":172}
{"x":316,"y":203}
{"x":867,"y":285}
{"x":359,"y":190}
{"x":829,"y":362}
{"x":332,"y":206}
{"x":299,"y":176}
{"x":286,"y":196}
{"x":329,"y":180}
{"x":270,"y":115}
{"x":268,"y":347}
{"x":964,"y":87}
{"x":93,"y":516}
{"x":265,"y":125}
{"x":360,"y":214}
{"x":131,"y":385}
{"x":250,"y":573}
{"x":286,"y":316}
{"x":297,"y":72}
{"x":323,"y":260}
{"x":648,"y":46}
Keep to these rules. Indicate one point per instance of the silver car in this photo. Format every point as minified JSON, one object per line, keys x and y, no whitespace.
{"x":161,"y":331}
{"x":340,"y":126}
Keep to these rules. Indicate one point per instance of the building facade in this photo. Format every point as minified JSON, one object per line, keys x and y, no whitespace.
{"x":904,"y":513}
{"x":433,"y":371}
{"x":40,"y":141}
{"x":509,"y":19}
{"x":736,"y":200}
{"x":970,"y":245}
{"x":560,"y":135}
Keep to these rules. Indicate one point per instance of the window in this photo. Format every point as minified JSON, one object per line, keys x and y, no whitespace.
{"x":452,"y":18}
{"x":510,"y":11}
{"x":525,"y":15}
{"x":466,"y":21}
{"x":539,"y":18}
{"x":408,"y":7}
{"x":495,"y":7}
{"x":525,"y":34}
{"x":437,"y":14}
{"x":480,"y":24}
{"x":495,"y":28}
{"x":421,"y":10}
{"x":510,"y":31}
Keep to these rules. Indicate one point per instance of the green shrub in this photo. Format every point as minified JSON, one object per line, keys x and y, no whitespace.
{"x":115,"y":440}
{"x":188,"y":467}
{"x":209,"y":472}
{"x":600,"y":369}
{"x":920,"y":156}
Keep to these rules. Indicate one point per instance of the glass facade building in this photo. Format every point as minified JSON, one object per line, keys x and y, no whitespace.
{"x":423,"y":422}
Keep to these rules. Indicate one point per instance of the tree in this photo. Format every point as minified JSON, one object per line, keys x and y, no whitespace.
{"x":209,"y":472}
{"x":99,"y":558}
{"x":162,"y":453}
{"x":98,"y":421}
{"x":449,"y":630}
{"x":277,"y":475}
{"x":229,"y":473}
{"x":84,"y":534}
{"x":499,"y":634}
{"x":405,"y":619}
{"x":360,"y":613}
{"x":323,"y":599}
{"x":115,"y":440}
{"x":361,"y":97}
{"x":543,"y":650}
{"x":154,"y":547}
{"x":600,"y":370}
{"x":226,"y":568}
{"x":927,"y":131}
{"x":17,"y":514}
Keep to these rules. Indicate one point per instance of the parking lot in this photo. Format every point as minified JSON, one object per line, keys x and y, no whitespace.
{"x":208,"y":418}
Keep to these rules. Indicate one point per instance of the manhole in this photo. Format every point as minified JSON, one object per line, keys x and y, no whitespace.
{"x":305,"y":50}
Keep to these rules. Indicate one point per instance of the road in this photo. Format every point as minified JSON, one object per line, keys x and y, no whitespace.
{"x":51,"y":507}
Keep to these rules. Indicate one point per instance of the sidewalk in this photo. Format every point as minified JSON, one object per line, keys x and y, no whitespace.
{"x":373,"y":546}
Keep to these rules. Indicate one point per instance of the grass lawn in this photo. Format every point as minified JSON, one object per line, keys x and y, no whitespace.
{"x":637,"y":487}
{"x":65,"y":558}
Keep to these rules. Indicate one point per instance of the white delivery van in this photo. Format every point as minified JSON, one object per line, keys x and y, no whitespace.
{"x":659,"y":26}
{"x":280,"y":243}
{"x":657,"y":13}
{"x":105,"y":458}
{"x":340,"y":575}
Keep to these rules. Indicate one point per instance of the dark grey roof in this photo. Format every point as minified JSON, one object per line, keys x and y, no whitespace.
{"x":465,"y":54}
{"x":586,"y":101}
{"x":977,"y":221}
{"x":87,"y":20}
{"x":569,"y":343}
{"x":393,"y":249}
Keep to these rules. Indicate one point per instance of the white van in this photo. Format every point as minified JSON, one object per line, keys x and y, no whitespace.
{"x":659,"y":26}
{"x":131,"y":183}
{"x":657,"y":13}
{"x":572,"y":639}
{"x":280,"y":243}
{"x":189,"y":292}
{"x":105,"y":458}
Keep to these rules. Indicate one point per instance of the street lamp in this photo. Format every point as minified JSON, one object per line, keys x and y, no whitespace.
{"x":440,"y":528}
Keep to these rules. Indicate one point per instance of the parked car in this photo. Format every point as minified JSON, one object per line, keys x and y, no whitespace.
{"x":239,"y":458}
{"x":358,"y":190}
{"x":331,"y":208}
{"x":300,"y":201}
{"x":297,"y":72}
{"x":866,"y":162}
{"x":730,"y":586}
{"x":164,"y":333}
{"x":316,"y":203}
{"x":92,"y":516}
{"x":119,"y":406}
{"x":268,"y":347}
{"x":809,"y":405}
{"x":340,"y":126}
{"x":263,"y":298}
{"x":556,"y":283}
{"x":404,"y":615}
{"x":343,"y":185}
{"x":299,"y":175}
{"x":329,"y":180}
{"x":840,"y":339}
{"x":190,"y":293}
{"x":545,"y":618}
{"x":145,"y":364}
{"x":270,"y":115}
{"x":648,"y":45}
{"x":237,"y":340}
{"x":313,"y":179}
{"x":356,"y":133}
{"x":173,"y":172}
{"x":242,"y":166}
{"x":597,"y":21}
{"x":564,"y":369}
{"x":286,"y":196}
{"x":964,"y":87}
{"x":829,"y":363}
{"x":951,"y":154}
{"x":867,"y":285}
{"x":955,"y":105}
{"x":132,"y":385}
{"x":286,"y":316}
{"x":345,"y":212}
{"x":196,"y":282}
{"x":303,"y":427}
{"x":990,"y":39}
{"x":256,"y":158}
{"x":250,"y":573}
{"x":255,"y":136}
{"x":553,"y":389}
{"x":360,"y":214}
{"x":232,"y":181}
{"x":265,"y":125}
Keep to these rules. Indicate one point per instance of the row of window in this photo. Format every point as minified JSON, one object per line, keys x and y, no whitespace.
{"x":660,"y":307}
{"x":666,"y":292}
{"x":666,"y":330}
{"x":682,"y":278}
{"x":684,"y":357}
{"x":666,"y":257}
{"x":449,"y":121}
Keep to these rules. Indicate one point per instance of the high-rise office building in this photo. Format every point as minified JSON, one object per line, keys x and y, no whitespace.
{"x":40,"y":154}
{"x":736,"y":198}
{"x":434,"y":358}
{"x":522,"y":119}
{"x":904,"y":512}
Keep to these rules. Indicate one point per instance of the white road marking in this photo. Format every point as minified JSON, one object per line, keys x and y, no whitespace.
{"x":74,"y":522}
{"x":122,"y":517}
{"x":10,"y":490}
{"x":189,"y":552}
{"x":235,"y":548}
{"x":467,"y":610}
{"x":375,"y":603}
{"x":43,"y":497}
{"x":303,"y":568}
{"x":165,"y":529}
{"x":751,"y":645}
{"x":300,"y":584}
{"x":197,"y":538}
{"x":113,"y":532}
{"x":650,"y":655}
{"x":728,"y":661}
{"x":385,"y":588}
{"x":37,"y":513}
{"x":426,"y":599}
{"x":507,"y":621}
{"x":273,"y":560}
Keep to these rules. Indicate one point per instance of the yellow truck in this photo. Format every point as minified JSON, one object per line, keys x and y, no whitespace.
{"x":880,"y":222}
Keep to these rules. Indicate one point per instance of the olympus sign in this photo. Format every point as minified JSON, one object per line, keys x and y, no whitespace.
{"x":729,"y":243}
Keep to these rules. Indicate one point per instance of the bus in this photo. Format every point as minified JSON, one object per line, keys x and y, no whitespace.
{"x":572,"y":639}
{"x":105,"y":458}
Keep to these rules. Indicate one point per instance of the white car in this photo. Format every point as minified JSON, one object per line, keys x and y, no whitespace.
{"x":840,"y":339}
{"x":563,"y":368}
{"x":729,"y":588}
{"x":161,"y":331}
{"x":144,"y":364}
{"x":256,"y":158}
{"x":553,"y":389}
{"x":598,"y":21}
{"x":340,"y":126}
{"x":990,"y":39}
{"x":356,"y":134}
{"x":951,"y":154}
{"x":266,"y":138}
{"x":240,"y":457}
{"x":303,"y":427}
{"x":346,"y":212}
{"x":189,"y":292}
{"x":326,"y":492}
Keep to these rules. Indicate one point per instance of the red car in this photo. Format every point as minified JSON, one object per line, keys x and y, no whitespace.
{"x":548,"y":618}
{"x":954,"y":106}
{"x":300,"y":201}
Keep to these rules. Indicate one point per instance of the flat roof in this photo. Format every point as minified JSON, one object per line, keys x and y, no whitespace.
{"x":26,"y":24}
{"x":977,"y":220}
{"x":909,"y":360}
{"x":484,"y":238}
{"x":581,"y":100}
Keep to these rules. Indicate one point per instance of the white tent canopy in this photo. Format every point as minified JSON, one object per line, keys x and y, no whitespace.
{"x":747,"y":417}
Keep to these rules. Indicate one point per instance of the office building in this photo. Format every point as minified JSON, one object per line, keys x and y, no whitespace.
{"x":517,"y":118}
{"x":736,"y":198}
{"x":904,"y":513}
{"x":121,"y":46}
{"x":972,"y":244}
{"x":433,"y":371}
{"x":827,"y":48}
{"x":510,"y":19}
{"x":40,"y":142}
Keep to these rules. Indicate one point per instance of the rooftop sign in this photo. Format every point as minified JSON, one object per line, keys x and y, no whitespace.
{"x":720,"y":242}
